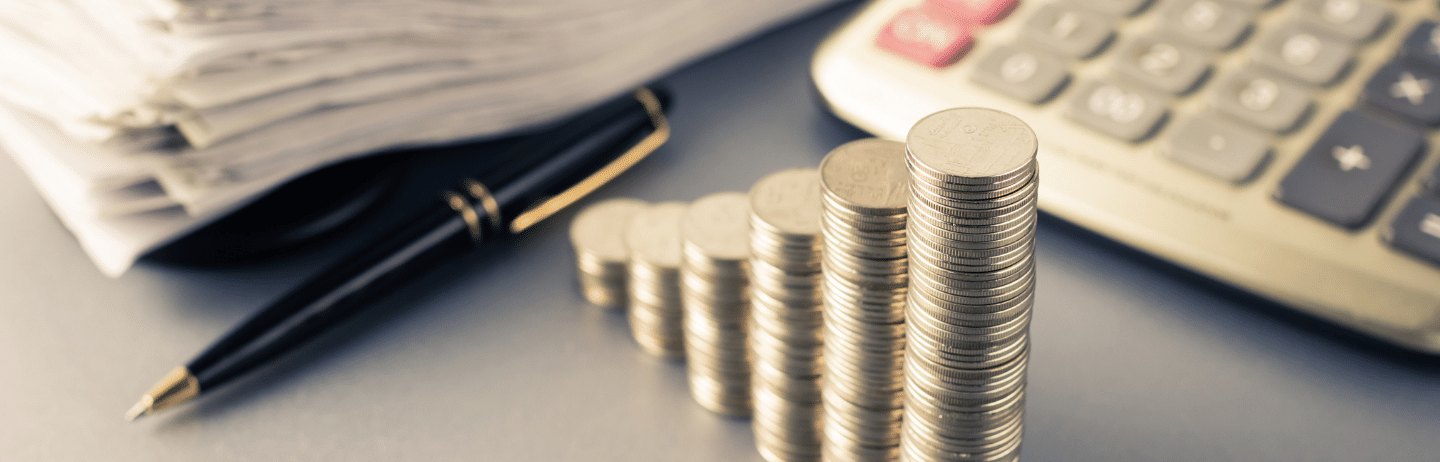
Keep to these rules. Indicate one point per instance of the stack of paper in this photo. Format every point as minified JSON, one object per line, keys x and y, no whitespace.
{"x":139,"y":120}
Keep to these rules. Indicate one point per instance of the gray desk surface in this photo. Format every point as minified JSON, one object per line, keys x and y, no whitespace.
{"x":498,"y":357}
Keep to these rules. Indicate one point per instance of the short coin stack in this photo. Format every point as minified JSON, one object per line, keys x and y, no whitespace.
{"x":601,"y":254}
{"x":715,"y":294}
{"x":654,"y":238}
{"x":971,"y":235}
{"x":785,"y":332}
{"x":864,"y":183}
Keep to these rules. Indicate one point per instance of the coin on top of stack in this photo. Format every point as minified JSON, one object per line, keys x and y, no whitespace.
{"x":970,"y":238}
{"x":714,"y":282}
{"x":655,"y":312}
{"x":785,"y":329}
{"x":865,"y":187}
{"x":601,"y":253}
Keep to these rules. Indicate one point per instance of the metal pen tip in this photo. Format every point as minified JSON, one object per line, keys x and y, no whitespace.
{"x":176,"y":387}
{"x":140,"y":408}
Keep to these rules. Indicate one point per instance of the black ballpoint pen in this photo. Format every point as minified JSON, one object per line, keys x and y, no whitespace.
{"x":555,"y":169}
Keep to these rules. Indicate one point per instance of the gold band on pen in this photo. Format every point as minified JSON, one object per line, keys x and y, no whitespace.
{"x":632,"y":156}
{"x":479,"y":192}
{"x":458,"y":203}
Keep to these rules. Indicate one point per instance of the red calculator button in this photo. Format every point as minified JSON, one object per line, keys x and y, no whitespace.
{"x":932,"y":36}
{"x":979,"y":11}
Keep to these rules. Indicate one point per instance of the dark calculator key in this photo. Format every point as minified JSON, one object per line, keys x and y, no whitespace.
{"x":1422,"y":46}
{"x":1351,"y":169}
{"x":1417,"y":229}
{"x":1406,"y":90}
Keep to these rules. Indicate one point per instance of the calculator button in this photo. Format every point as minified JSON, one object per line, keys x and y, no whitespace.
{"x":1218,"y":148}
{"x":1405,"y":90}
{"x":1069,"y":30}
{"x":1300,"y":53}
{"x":1417,"y":229}
{"x":1205,"y":23}
{"x":979,"y":11}
{"x":1254,"y":4}
{"x":1117,"y":110}
{"x":1352,"y":19}
{"x":1350,"y":170}
{"x":1260,"y":100}
{"x":1162,"y":64}
{"x":1119,"y":7}
{"x":1025,"y":75}
{"x":930,"y":36}
{"x":1422,"y":46}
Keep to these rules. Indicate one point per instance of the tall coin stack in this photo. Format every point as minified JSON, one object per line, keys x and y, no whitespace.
{"x":714,"y":281}
{"x":785,"y":332}
{"x":971,"y":238}
{"x":865,"y":192}
{"x":655,"y":312}
{"x":601,"y":254}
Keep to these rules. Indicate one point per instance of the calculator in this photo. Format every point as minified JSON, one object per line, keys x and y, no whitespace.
{"x":1285,"y":147}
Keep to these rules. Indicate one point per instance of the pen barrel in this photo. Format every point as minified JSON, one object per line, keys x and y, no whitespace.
{"x":332,"y":295}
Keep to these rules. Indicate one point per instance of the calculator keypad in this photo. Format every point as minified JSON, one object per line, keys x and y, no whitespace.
{"x":1026,"y":75}
{"x":1218,"y":148}
{"x":1117,"y":109}
{"x":1162,"y":64}
{"x":1069,"y":30}
{"x":1261,"y":100}
{"x":1301,"y":53}
{"x":1350,"y":171}
{"x":1211,"y":24}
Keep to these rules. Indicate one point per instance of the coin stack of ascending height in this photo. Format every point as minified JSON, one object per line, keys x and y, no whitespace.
{"x":601,"y":254}
{"x":654,"y":238}
{"x":714,"y":281}
{"x":785,"y":329}
{"x":864,"y":183}
{"x":970,"y":240}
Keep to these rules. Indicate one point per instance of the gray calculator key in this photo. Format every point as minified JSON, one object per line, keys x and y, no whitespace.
{"x":1254,"y":4}
{"x":1218,"y":148}
{"x":1162,"y":64}
{"x":1118,"y":7}
{"x":1304,"y":54}
{"x":1117,"y":110}
{"x":1260,"y":100}
{"x":1069,"y":30}
{"x":1345,"y":176}
{"x":1022,"y":74}
{"x":1417,"y":229}
{"x":1422,"y":45}
{"x":1212,"y":24}
{"x":1355,"y":20}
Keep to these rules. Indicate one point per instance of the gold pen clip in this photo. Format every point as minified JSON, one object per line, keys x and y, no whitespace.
{"x":632,"y":156}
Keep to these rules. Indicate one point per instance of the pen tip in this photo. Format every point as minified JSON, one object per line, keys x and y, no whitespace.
{"x":140,"y":408}
{"x":176,"y":387}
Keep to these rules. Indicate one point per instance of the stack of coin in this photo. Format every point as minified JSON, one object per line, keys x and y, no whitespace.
{"x":785,"y":332}
{"x":714,"y":281}
{"x":865,"y":192}
{"x":970,"y":241}
{"x":655,"y":311}
{"x":601,"y":254}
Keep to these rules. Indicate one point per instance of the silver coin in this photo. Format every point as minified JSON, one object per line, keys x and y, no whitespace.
{"x":601,"y":254}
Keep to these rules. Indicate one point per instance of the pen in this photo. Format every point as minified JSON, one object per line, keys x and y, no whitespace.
{"x":547,"y":173}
